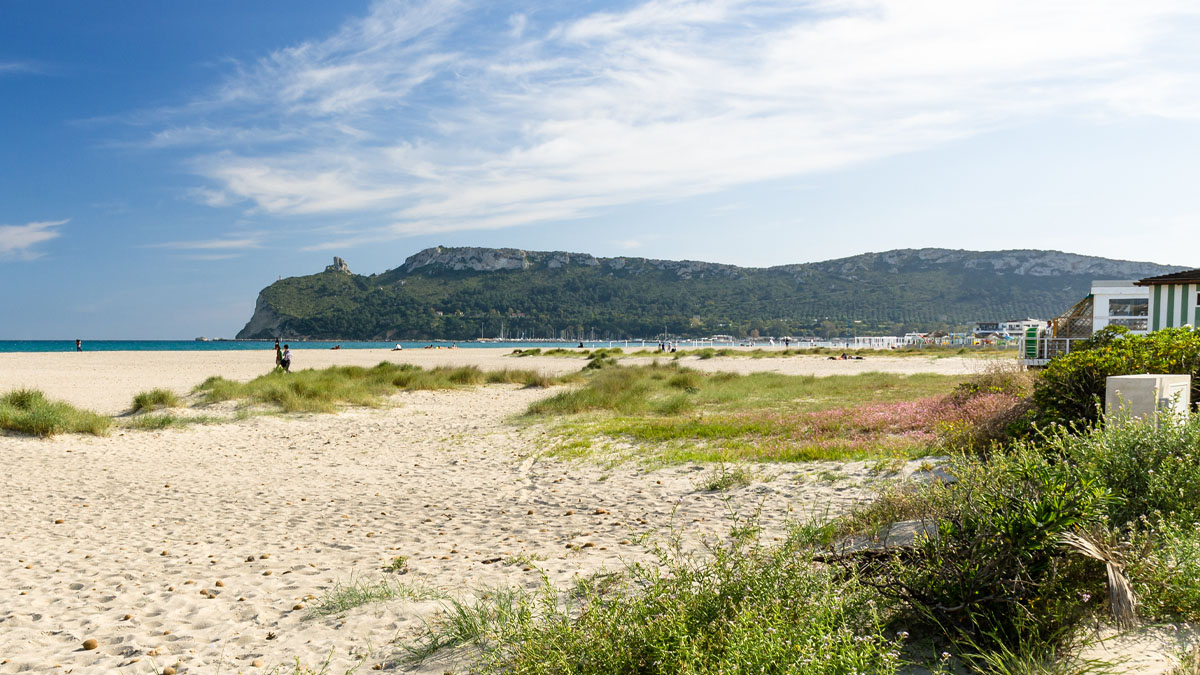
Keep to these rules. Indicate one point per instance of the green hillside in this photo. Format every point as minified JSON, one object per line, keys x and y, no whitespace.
{"x":464,"y":293}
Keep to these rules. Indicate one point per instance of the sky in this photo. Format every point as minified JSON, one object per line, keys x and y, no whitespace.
{"x":160,"y":163}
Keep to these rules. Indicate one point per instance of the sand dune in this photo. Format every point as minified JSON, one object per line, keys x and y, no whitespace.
{"x":107,"y":381}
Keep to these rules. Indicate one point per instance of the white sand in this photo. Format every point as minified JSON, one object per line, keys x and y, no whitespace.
{"x":270,"y":513}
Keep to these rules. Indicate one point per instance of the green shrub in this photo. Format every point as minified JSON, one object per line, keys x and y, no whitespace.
{"x":998,"y":570}
{"x":995,"y":571}
{"x":1152,"y":470}
{"x":1071,"y":389}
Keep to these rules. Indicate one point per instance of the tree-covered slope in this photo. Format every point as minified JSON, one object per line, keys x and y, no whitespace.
{"x":461,"y":293}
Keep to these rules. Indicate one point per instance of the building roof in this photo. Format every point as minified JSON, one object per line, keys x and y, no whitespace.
{"x":1185,"y":277}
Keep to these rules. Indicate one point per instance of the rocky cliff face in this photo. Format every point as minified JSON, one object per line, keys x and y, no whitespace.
{"x":264,"y":322}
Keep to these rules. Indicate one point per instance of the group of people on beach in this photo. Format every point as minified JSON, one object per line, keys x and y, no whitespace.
{"x":283,"y":357}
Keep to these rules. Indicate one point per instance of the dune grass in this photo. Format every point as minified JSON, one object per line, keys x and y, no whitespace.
{"x":28,"y":411}
{"x":682,"y":415}
{"x":333,"y":388}
{"x":154,"y":400}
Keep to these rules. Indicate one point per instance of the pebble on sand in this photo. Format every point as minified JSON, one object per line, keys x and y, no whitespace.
{"x":90,"y":644}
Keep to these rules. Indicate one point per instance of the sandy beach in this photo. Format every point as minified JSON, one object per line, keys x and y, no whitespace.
{"x":207,"y":547}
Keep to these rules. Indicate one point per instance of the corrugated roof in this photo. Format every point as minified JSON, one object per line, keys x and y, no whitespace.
{"x":1187,"y":277}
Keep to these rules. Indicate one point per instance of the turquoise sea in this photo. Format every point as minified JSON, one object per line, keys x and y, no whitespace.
{"x":234,"y":345}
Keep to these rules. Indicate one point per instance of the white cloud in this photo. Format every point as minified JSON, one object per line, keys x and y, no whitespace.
{"x":425,"y":120}
{"x":19,"y":241}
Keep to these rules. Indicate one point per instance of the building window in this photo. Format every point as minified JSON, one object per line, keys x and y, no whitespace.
{"x":1129,"y":307}
{"x":1131,"y":324}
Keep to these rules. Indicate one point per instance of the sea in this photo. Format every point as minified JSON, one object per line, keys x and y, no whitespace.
{"x":238,"y":345}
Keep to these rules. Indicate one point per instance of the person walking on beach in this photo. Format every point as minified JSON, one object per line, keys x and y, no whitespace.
{"x":278,"y":355}
{"x":287,"y":359}
{"x":79,"y":345}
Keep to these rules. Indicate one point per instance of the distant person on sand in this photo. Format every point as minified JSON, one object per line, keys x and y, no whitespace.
{"x":79,"y":345}
{"x":278,"y":355}
{"x":397,"y":348}
{"x":287,"y":359}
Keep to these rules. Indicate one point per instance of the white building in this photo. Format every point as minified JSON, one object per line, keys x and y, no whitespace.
{"x":1120,"y":303}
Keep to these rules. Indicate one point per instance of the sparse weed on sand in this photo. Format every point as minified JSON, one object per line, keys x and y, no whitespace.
{"x":343,"y":597}
{"x":157,"y":421}
{"x":724,"y":478}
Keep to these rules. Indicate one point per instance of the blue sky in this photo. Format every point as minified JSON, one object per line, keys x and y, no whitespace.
{"x":162,"y":162}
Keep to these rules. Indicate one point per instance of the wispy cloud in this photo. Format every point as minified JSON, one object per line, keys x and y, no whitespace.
{"x":210,"y":244}
{"x":15,"y":67}
{"x":422,"y":118}
{"x":19,"y":242}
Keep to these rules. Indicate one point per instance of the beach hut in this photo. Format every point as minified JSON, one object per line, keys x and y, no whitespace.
{"x":1143,"y":306}
{"x":1174,"y":299}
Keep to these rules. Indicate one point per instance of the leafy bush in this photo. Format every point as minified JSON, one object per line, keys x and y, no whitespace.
{"x":1166,"y":574}
{"x":1071,"y":390}
{"x":1151,"y":469}
{"x":995,"y":571}
{"x":999,"y":570}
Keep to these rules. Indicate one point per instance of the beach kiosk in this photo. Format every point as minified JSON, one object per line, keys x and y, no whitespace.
{"x":1173,"y":299}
